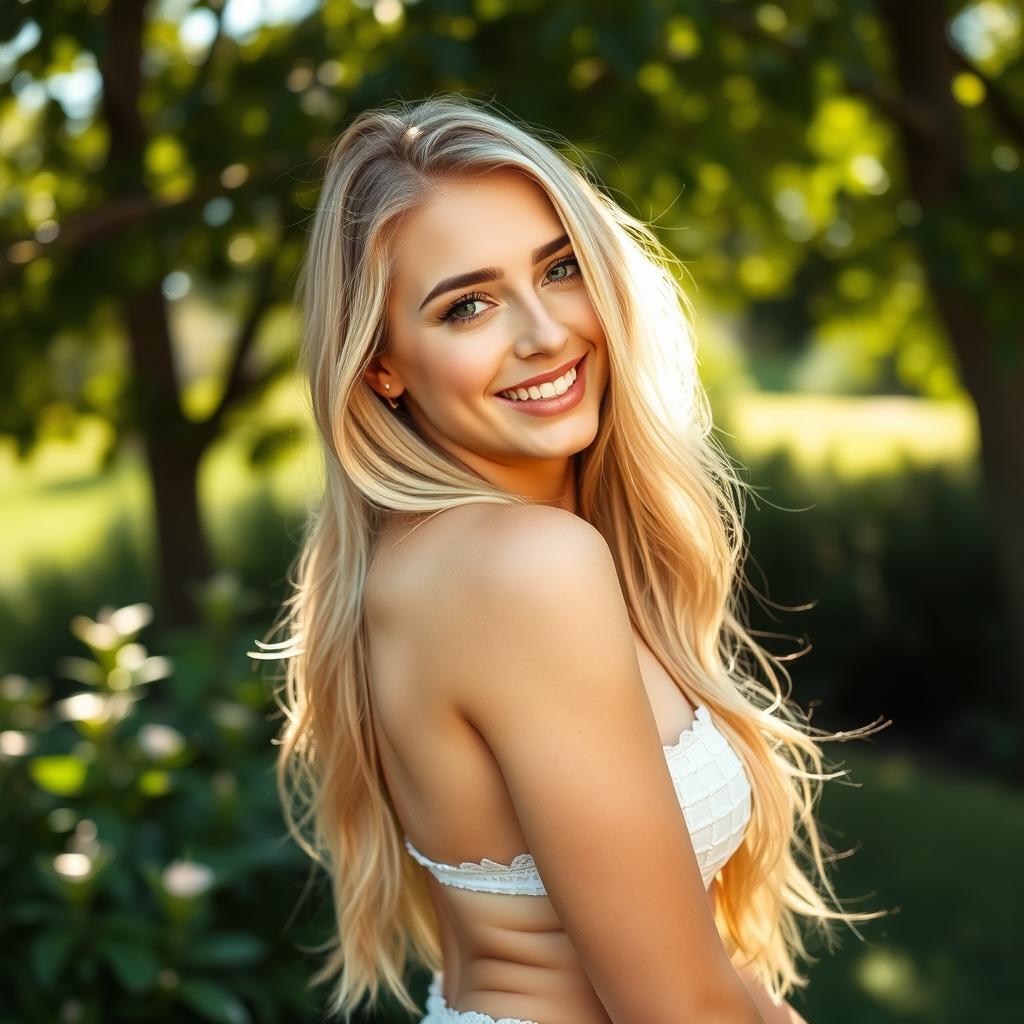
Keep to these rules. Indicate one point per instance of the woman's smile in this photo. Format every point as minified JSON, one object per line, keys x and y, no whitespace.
{"x":556,"y":404}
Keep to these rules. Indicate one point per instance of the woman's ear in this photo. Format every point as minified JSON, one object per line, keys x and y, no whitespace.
{"x":382,"y":379}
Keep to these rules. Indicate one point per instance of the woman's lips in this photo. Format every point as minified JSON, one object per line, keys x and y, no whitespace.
{"x":544,"y":378}
{"x":560,"y":403}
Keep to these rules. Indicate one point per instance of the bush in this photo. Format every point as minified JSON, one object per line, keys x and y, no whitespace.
{"x":146,"y":872}
{"x":904,"y":611}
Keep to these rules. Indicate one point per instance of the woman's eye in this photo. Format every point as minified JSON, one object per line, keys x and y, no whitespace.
{"x":569,"y":260}
{"x":472,"y":302}
{"x":451,"y":314}
{"x":467,"y":303}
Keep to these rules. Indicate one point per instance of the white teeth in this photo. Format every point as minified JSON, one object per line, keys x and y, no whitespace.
{"x":549,"y":389}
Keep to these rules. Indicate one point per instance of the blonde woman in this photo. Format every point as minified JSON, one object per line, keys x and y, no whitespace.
{"x":523,"y":733}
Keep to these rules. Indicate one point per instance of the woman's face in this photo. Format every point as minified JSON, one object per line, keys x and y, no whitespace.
{"x":487,"y":295}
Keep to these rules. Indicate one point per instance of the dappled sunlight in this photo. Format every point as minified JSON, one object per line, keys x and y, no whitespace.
{"x":70,"y":449}
{"x":852,"y":436}
{"x":896,"y":772}
{"x":844,"y":436}
{"x":893,"y":978}
{"x":846,"y":231}
{"x":60,"y":505}
{"x":63,"y":527}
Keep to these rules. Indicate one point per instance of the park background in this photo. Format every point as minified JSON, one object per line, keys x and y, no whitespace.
{"x":841,"y":182}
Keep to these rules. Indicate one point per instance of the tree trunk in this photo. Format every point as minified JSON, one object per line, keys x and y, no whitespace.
{"x":174,"y":447}
{"x":938,"y":176}
{"x":173,"y":444}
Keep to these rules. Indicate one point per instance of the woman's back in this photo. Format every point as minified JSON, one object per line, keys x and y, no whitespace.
{"x":505,"y":955}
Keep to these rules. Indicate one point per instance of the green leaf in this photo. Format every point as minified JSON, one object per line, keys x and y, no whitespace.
{"x":273,"y":442}
{"x":32,"y":913}
{"x":136,"y":965}
{"x":49,"y":954}
{"x":61,"y":774}
{"x":229,"y":949}
{"x":212,"y":1001}
{"x":122,"y":927}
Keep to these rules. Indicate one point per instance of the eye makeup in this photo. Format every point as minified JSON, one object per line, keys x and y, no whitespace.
{"x":464,"y":300}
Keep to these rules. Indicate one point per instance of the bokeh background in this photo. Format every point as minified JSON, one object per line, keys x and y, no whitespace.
{"x":841,"y":182}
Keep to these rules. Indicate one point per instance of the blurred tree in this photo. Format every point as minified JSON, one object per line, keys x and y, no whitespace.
{"x":844,"y":173}
{"x":119,"y":199}
{"x":966,"y":253}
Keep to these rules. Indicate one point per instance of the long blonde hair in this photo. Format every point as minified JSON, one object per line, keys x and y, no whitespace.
{"x":654,"y":482}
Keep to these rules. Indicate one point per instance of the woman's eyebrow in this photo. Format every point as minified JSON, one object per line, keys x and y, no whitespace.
{"x":491,"y":273}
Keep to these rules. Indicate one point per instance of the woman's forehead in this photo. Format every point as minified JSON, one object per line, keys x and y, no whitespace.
{"x":490,"y":221}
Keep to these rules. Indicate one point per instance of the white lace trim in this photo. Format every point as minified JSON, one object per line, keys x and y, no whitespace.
{"x":520,"y":878}
{"x":690,"y":735}
{"x":439,"y":1012}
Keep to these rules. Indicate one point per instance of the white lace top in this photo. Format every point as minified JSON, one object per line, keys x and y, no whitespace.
{"x":714,"y":794}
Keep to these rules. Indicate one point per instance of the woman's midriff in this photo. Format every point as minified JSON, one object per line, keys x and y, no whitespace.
{"x":508,"y":956}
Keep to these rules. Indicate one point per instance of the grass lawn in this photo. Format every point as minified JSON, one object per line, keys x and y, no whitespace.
{"x":57,"y":508}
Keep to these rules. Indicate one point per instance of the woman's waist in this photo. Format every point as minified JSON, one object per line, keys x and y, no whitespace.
{"x":553,"y":990}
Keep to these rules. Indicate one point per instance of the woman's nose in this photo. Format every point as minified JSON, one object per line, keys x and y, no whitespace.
{"x":541,"y":328}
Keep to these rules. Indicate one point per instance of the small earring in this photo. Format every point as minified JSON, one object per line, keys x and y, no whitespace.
{"x":391,"y":401}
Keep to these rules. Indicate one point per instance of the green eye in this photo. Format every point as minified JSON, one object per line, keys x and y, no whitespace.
{"x":448,"y":316}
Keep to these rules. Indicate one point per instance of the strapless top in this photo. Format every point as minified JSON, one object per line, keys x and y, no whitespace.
{"x":713,"y":791}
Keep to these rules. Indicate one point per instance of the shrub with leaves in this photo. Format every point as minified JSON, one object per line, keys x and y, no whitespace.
{"x":145,"y":871}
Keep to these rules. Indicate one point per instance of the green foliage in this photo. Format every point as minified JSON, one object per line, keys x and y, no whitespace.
{"x":142,"y":871}
{"x":764,"y":140}
{"x":897,"y":583}
{"x":146,"y":874}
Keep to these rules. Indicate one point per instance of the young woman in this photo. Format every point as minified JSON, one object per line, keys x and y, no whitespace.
{"x":523,"y":732}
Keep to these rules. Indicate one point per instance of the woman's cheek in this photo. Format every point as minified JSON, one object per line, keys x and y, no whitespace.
{"x":469,"y":376}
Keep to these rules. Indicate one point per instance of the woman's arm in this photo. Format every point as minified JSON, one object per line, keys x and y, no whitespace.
{"x":542,"y":662}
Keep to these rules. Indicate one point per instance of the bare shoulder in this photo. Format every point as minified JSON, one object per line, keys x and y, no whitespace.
{"x":454,"y":587}
{"x":537,"y":528}
{"x":454,"y":554}
{"x":508,"y":539}
{"x":417,"y":551}
{"x":429,"y":575}
{"x":538,"y":584}
{"x":517,"y":571}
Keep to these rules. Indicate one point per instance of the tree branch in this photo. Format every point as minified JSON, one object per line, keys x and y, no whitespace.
{"x":121,"y":212}
{"x":236,"y":386}
{"x":195,"y":94}
{"x":913,"y":115}
{"x":126,"y":211}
